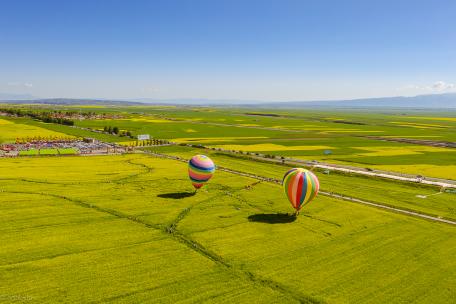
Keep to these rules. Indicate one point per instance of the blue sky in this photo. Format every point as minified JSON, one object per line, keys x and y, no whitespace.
{"x":256,"y":50}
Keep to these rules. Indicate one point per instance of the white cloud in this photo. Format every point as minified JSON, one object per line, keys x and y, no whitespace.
{"x":438,"y":86}
{"x":19,"y":84}
{"x":442,"y":86}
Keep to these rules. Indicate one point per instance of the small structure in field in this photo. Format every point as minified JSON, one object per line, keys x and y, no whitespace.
{"x":89,"y":140}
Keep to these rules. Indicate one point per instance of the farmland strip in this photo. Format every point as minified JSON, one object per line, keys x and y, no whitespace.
{"x":333,"y":195}
{"x":191,"y":244}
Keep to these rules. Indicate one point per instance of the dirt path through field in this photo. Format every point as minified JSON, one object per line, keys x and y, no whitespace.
{"x":333,"y":195}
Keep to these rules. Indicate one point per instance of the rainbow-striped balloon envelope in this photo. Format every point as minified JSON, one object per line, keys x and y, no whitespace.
{"x":300,"y":186}
{"x":200,"y":170}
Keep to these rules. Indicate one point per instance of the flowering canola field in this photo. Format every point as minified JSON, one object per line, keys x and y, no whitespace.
{"x":126,"y":229}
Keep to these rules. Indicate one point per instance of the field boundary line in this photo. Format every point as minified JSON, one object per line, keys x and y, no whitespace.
{"x":193,"y":245}
{"x":76,"y":253}
{"x":132,"y":176}
{"x":329,"y":194}
{"x":389,"y":175}
{"x":248,"y":275}
{"x":393,"y":209}
{"x":439,"y":182}
{"x":376,"y":173}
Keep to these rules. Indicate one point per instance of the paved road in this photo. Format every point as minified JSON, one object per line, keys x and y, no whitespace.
{"x":356,"y":170}
{"x":341,"y":168}
{"x":398,"y":210}
{"x":378,"y":173}
{"x":446,"y":184}
{"x":333,"y":195}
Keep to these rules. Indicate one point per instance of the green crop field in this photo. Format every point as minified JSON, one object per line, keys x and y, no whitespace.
{"x":393,"y":193}
{"x":130,"y":229}
{"x":35,"y":152}
{"x":68,"y":151}
{"x":227,"y":152}
{"x":359,"y":138}
{"x":352,"y":137}
{"x":31,"y":152}
{"x":49,"y":151}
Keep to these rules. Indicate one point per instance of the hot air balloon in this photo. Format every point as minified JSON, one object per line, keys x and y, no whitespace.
{"x":200,"y":170}
{"x":300,"y":186}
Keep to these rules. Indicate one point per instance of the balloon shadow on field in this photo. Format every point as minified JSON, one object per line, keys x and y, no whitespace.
{"x":272,"y":218}
{"x":177,"y":195}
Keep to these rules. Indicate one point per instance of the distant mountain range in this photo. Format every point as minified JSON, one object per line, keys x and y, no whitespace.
{"x":72,"y":101}
{"x":10,"y":96}
{"x":434,"y":101}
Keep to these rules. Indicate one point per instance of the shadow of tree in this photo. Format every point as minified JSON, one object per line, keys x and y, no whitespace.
{"x":272,"y":218}
{"x":177,"y":195}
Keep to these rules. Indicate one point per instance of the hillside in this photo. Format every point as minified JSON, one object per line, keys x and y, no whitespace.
{"x":433,"y":101}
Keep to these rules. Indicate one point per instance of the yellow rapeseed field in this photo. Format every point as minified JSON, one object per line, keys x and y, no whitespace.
{"x":146,"y":119}
{"x":212,"y":139}
{"x":446,"y":171}
{"x":130,"y":229}
{"x":405,"y":150}
{"x":434,"y":118}
{"x":9,"y":131}
{"x":418,"y":125}
{"x":271,"y":147}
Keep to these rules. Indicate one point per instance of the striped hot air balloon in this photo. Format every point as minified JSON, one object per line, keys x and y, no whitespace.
{"x":300,"y":186}
{"x":200,"y":170}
